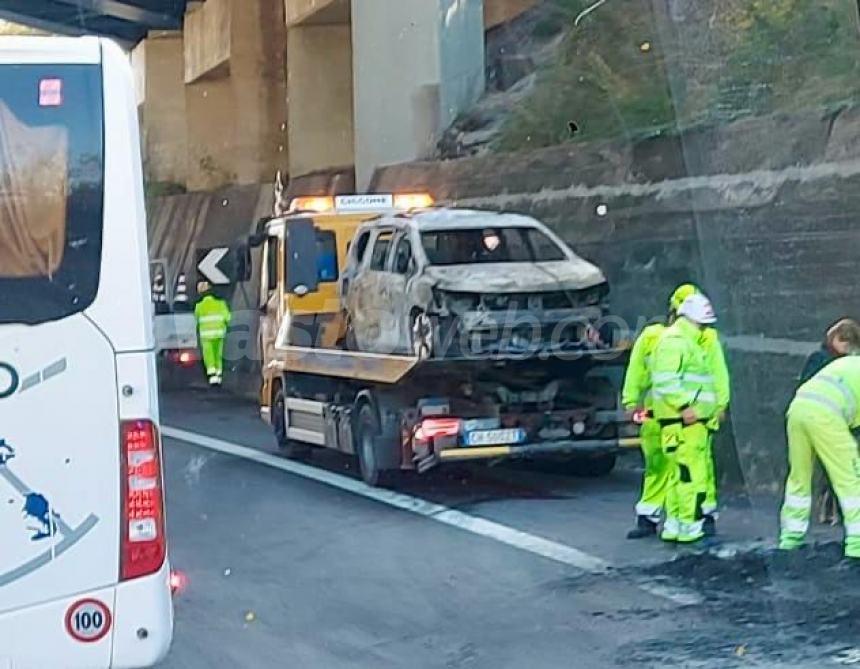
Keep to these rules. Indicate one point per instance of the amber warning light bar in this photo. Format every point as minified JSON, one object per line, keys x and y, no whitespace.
{"x":360,"y":203}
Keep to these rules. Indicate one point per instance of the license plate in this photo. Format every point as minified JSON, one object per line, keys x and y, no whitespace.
{"x":495,"y":437}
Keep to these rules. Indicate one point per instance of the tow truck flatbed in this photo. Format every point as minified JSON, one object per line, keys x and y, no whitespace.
{"x":393,"y":369}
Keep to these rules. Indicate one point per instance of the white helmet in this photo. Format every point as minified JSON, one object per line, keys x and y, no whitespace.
{"x":698,"y":309}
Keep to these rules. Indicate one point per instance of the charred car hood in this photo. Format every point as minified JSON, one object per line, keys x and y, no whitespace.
{"x":516,"y":277}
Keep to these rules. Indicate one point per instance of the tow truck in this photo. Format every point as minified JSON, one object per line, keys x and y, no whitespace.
{"x":398,"y":413}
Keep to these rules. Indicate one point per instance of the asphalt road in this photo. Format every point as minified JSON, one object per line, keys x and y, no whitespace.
{"x":284,"y":571}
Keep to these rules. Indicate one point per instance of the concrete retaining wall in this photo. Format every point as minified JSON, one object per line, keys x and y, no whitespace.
{"x":179,"y":225}
{"x":761,"y":213}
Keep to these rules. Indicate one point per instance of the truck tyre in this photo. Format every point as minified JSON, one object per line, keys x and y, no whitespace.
{"x":366,"y":443}
{"x":596,"y":466}
{"x":292,"y":450}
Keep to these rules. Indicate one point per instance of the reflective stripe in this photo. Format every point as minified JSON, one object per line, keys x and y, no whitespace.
{"x":666,"y":376}
{"x":818,"y":398}
{"x":795,"y":525}
{"x":692,"y":530}
{"x":706,"y":396}
{"x":798,"y":501}
{"x":649,"y":510}
{"x":672,"y":525}
{"x":214,"y":318}
{"x":847,"y":395}
{"x":699,"y":378}
{"x":212,"y":334}
{"x":710,"y":510}
{"x":850,"y":503}
{"x":661,"y":391}
{"x":852,"y":529}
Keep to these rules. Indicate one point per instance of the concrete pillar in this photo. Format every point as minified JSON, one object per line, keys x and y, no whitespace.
{"x":416,"y":65}
{"x":319,"y":81}
{"x":259,"y":77}
{"x":158,"y":69}
{"x":236,"y":92}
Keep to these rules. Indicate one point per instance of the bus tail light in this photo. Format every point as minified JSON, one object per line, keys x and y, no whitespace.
{"x":144,"y":545}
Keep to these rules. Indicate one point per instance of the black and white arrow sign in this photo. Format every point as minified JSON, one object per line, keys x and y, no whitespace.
{"x":209,"y":266}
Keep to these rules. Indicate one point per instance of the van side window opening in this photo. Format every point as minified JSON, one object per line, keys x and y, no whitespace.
{"x":361,"y":246}
{"x":402,"y":256}
{"x":380,"y":251}
{"x":327,"y":256}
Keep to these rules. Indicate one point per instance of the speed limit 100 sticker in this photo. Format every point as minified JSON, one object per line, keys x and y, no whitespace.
{"x":88,"y":620}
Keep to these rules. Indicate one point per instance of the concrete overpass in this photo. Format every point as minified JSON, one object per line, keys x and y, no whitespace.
{"x":232,"y":91}
{"x":127,"y":21}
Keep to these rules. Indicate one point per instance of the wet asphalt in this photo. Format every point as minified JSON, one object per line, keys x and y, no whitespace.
{"x":287,"y":572}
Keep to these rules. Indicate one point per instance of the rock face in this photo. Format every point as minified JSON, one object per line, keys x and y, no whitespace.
{"x":761,"y":213}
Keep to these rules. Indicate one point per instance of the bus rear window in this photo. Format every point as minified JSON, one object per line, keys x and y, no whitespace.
{"x":51,"y":190}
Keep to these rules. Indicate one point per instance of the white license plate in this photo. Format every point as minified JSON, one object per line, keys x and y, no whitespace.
{"x":495,"y":437}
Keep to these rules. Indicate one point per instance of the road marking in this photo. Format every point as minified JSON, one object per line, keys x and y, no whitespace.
{"x":546,"y":548}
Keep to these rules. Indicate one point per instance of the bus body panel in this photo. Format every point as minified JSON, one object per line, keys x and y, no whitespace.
{"x":63,"y":429}
{"x":28,"y":645}
{"x":78,"y":377}
{"x":124,"y":291}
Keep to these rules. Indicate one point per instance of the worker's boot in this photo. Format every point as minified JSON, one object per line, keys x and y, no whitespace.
{"x":645,"y":527}
{"x":709,"y":527}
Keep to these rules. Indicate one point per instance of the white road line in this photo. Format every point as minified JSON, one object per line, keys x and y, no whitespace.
{"x":552,"y":550}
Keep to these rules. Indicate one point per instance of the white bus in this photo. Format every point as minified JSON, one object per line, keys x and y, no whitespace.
{"x":84,"y":577}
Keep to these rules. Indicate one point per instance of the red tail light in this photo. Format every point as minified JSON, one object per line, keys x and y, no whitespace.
{"x":144,"y":546}
{"x":183,"y":358}
{"x":433,"y":428}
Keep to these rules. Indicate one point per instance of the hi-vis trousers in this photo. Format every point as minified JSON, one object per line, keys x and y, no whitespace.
{"x":817,"y":430}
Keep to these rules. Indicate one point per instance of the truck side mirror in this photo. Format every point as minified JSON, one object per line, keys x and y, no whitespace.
{"x":244,"y":263}
{"x":301,"y":262}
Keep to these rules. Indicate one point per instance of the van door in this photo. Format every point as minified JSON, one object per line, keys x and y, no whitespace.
{"x":397,"y":313}
{"x":59,"y":422}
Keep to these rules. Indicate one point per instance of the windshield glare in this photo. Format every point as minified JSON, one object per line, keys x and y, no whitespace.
{"x":477,"y":246}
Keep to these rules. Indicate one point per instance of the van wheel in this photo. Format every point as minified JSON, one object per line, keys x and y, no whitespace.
{"x":422,"y":335}
{"x":293,"y":450}
{"x":365,"y":450}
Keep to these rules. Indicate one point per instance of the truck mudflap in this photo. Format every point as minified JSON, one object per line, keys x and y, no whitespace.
{"x":562,"y":447}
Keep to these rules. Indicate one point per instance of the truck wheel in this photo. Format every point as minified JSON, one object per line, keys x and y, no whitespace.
{"x":596,"y":466}
{"x":293,"y":450}
{"x":365,"y":449}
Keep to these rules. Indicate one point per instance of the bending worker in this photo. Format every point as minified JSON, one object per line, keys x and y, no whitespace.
{"x":213,"y":316}
{"x":636,"y":394}
{"x":685,"y":404}
{"x":819,"y":422}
